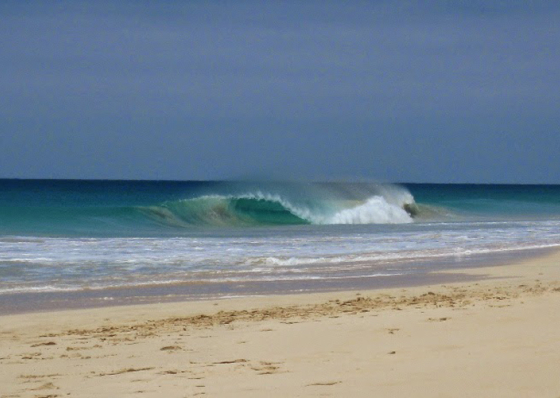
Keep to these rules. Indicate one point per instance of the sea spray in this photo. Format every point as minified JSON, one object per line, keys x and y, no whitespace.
{"x":376,"y":210}
{"x":266,"y":208}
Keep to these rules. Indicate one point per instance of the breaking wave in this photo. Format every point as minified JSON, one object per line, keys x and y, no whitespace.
{"x":388,"y":206}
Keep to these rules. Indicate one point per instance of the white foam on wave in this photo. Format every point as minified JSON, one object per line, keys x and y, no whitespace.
{"x":375,"y":210}
{"x":402,"y":255}
{"x":387,"y":208}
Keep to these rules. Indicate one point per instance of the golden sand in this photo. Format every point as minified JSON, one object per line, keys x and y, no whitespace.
{"x":499,"y":337}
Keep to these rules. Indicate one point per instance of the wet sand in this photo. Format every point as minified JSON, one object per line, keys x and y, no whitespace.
{"x":498,"y":336}
{"x":427,"y":272}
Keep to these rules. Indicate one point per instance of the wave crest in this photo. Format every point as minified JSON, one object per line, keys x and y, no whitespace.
{"x":259,"y":208}
{"x":376,"y":210}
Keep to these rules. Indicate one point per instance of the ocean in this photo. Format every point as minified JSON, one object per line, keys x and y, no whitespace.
{"x":103,"y":242}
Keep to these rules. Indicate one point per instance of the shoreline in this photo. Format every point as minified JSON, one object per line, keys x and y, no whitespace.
{"x":441,"y":270}
{"x":496,"y":336}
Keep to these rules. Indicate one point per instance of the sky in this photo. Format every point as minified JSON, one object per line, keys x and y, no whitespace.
{"x":398,"y":91}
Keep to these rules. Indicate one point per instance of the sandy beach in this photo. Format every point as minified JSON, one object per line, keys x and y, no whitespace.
{"x":495,"y":337}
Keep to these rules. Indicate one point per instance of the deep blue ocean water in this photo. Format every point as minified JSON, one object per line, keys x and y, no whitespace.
{"x":69,"y":235}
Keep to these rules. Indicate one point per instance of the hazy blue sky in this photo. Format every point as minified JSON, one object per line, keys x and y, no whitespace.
{"x":404,"y":91}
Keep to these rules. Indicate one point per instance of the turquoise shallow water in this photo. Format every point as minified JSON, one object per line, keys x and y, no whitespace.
{"x":161,"y":208}
{"x":71,"y":236}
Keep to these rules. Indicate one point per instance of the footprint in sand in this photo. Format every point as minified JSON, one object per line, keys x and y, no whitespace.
{"x":267,"y":368}
{"x":127,"y":370}
{"x":171,"y":348}
{"x":46,"y":386}
{"x":327,"y":383}
{"x":44,"y":344}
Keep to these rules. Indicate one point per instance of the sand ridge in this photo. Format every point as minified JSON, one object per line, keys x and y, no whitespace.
{"x":450,"y":297}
